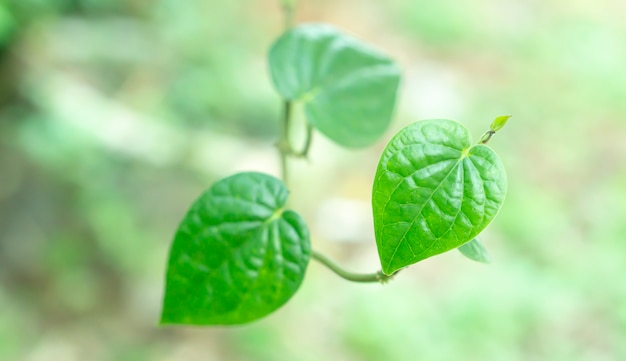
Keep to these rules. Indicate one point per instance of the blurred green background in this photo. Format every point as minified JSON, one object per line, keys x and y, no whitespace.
{"x":115,"y":115}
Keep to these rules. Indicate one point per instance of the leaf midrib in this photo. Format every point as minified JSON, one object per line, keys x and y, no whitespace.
{"x":403,"y":238}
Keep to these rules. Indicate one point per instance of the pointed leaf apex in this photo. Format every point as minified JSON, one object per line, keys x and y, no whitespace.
{"x":499,"y":122}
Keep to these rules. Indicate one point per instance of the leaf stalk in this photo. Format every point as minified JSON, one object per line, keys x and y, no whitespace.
{"x":288,"y":11}
{"x":378,"y":277}
{"x":286,"y":150}
{"x":496,"y":125}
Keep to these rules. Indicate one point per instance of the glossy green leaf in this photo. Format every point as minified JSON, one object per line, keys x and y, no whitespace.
{"x":476,"y":251}
{"x":347,"y":88}
{"x":433,"y":192}
{"x":237,"y":256}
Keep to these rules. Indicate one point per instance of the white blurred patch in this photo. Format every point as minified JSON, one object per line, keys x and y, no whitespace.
{"x":225,"y":154}
{"x":432,"y":91}
{"x":120,"y":129}
{"x":345,"y":220}
{"x":109,"y":123}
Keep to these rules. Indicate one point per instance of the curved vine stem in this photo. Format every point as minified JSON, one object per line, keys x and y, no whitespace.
{"x":286,"y":150}
{"x":288,"y":11}
{"x":283,"y":145}
{"x":350,"y":276}
{"x":307,"y":142}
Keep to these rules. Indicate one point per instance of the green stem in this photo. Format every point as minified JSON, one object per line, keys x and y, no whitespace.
{"x":283,"y":166}
{"x":285,"y":150}
{"x":307,"y":142}
{"x":350,"y":276}
{"x":496,"y":125}
{"x":284,"y":147}
{"x":486,"y":137}
{"x":288,"y":11}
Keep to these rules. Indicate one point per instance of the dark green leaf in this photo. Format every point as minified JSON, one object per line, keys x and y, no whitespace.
{"x":347,"y":88}
{"x":237,"y":255}
{"x":433,"y":192}
{"x":476,"y":251}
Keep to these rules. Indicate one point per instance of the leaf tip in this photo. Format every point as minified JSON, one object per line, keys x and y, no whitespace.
{"x":499,"y":122}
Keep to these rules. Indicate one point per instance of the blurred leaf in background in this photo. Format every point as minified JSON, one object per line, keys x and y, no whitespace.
{"x":115,"y":115}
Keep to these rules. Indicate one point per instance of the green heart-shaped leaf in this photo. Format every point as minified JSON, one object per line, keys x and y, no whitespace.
{"x":237,"y":255}
{"x":433,"y":192}
{"x":348,"y":89}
